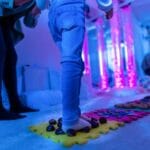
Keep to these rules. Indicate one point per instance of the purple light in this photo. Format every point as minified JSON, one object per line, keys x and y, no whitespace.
{"x":115,"y":34}
{"x":129,"y":42}
{"x":101,"y":53}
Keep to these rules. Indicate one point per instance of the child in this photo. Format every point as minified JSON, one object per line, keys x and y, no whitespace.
{"x":67,"y":26}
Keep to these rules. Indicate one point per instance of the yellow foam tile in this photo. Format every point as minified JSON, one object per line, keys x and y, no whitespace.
{"x":80,"y":138}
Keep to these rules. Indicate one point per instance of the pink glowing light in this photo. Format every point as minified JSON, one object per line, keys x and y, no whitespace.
{"x":115,"y":34}
{"x":101,"y":53}
{"x":129,"y":42}
{"x":85,"y":55}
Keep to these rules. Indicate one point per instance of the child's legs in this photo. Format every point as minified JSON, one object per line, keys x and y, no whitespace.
{"x":72,"y":68}
{"x":70,"y":26}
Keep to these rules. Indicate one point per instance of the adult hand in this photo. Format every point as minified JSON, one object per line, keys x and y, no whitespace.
{"x":20,"y":2}
{"x":35,"y":11}
{"x":109,"y":14}
{"x":31,"y":19}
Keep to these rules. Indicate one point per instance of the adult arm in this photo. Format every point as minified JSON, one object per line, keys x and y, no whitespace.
{"x":11,"y":3}
{"x":7,"y":3}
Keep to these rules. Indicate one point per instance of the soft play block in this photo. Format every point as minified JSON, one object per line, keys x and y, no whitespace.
{"x":80,"y":138}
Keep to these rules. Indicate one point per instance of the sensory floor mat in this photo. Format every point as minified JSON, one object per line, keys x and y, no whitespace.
{"x":80,"y":138}
{"x":143,"y":104}
{"x":102,"y":121}
{"x":113,"y":114}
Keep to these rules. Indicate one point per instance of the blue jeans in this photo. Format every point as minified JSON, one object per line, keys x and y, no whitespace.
{"x":67,"y":26}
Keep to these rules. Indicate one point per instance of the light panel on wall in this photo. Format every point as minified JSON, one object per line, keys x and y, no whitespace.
{"x":115,"y":35}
